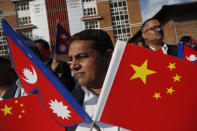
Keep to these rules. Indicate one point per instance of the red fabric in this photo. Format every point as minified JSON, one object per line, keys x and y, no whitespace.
{"x":62,"y":41}
{"x":131,"y":104}
{"x":160,"y":51}
{"x":190,"y":54}
{"x":46,"y":89}
{"x":25,"y":114}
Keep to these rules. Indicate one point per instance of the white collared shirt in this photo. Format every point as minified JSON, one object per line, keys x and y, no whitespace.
{"x":20,"y":90}
{"x":90,"y":101}
{"x":164,"y":48}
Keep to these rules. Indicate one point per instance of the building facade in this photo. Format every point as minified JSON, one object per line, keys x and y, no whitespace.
{"x":56,"y":12}
{"x":119,"y":18}
{"x":7,"y":12}
{"x":75,"y":13}
{"x":27,"y":17}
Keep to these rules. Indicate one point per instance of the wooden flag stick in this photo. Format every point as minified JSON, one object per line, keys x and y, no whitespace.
{"x":95,"y":126}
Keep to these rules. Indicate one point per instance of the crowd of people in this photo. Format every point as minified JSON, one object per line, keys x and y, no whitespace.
{"x":90,"y":52}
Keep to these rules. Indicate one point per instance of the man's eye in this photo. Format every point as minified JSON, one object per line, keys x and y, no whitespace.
{"x":69,"y":59}
{"x":83,"y":56}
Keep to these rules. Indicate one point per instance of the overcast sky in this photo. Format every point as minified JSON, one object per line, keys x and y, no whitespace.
{"x":150,"y":7}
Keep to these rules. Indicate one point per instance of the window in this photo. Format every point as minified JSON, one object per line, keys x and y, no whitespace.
{"x":88,"y":0}
{"x":27,"y":33}
{"x":24,"y":20}
{"x":3,"y":43}
{"x":120,"y":19}
{"x":22,"y":6}
{"x":90,"y":11}
{"x":91,"y":24}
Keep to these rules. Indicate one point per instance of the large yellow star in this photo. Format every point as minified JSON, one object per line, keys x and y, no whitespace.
{"x":176,"y":78}
{"x":7,"y":110}
{"x":157,"y":95}
{"x":171,"y":66}
{"x":170,"y":90}
{"x":141,"y":71}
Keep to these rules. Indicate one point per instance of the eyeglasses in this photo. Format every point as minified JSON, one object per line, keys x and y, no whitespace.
{"x":154,"y":28}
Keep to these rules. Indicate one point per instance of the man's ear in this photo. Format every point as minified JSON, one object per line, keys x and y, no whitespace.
{"x":109,"y":54}
{"x":143,"y":35}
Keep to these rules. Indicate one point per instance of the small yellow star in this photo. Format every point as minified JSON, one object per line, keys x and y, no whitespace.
{"x":142,"y":71}
{"x":19,"y":116}
{"x":176,"y":78}
{"x":157,"y":95}
{"x":170,"y":90}
{"x":7,"y":110}
{"x":21,"y":105}
{"x":23,"y":111}
{"x":16,"y":101}
{"x":171,"y":66}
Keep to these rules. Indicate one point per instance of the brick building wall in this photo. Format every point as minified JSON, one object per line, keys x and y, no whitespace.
{"x":8,"y":12}
{"x":56,"y":11}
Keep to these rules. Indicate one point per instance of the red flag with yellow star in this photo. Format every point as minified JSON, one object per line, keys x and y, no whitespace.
{"x":148,"y":91}
{"x":25,"y":114}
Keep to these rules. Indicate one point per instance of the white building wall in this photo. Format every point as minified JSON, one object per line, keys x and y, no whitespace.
{"x":75,"y":13}
{"x":39,"y":19}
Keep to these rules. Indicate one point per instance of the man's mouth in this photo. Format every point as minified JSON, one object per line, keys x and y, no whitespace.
{"x":79,"y":74}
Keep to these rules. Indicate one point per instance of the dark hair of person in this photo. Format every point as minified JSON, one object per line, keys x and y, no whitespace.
{"x":8,"y":76}
{"x":144,"y":24}
{"x":44,"y":43}
{"x":185,"y":39}
{"x":4,"y":61}
{"x":100,"y":39}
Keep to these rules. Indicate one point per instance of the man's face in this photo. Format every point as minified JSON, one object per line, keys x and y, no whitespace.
{"x":153,"y":31}
{"x":88,"y":64}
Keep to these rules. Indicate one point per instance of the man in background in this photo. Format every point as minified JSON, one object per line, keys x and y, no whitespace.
{"x":153,"y":35}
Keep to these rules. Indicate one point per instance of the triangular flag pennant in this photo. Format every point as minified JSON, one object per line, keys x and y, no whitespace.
{"x":148,"y":91}
{"x":61,"y":41}
{"x":25,"y":114}
{"x":34,"y":75}
{"x":187,"y":53}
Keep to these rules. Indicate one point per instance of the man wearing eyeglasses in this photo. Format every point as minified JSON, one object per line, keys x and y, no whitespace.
{"x":152,"y":32}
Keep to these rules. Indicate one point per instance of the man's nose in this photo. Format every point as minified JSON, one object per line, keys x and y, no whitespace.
{"x":74,"y":65}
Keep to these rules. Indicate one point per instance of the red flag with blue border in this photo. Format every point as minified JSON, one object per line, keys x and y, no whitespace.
{"x":187,"y":53}
{"x":34,"y":75}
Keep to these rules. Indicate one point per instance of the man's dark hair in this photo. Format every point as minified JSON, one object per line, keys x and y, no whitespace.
{"x":44,"y":43}
{"x":4,"y":61}
{"x":144,"y":24}
{"x":8,"y":75}
{"x":185,"y":39}
{"x":100,"y":39}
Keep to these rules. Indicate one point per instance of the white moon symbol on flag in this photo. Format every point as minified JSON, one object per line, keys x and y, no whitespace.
{"x":192,"y":57}
{"x":31,"y":78}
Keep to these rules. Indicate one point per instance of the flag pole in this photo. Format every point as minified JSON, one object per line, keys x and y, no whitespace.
{"x":95,"y":126}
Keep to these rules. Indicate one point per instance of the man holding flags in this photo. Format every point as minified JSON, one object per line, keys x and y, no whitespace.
{"x":90,"y":53}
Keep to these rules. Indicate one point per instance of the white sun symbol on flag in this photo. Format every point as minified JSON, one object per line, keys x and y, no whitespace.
{"x":60,"y":109}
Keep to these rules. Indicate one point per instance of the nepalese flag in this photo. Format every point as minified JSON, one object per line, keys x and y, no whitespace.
{"x":146,"y":90}
{"x":34,"y":75}
{"x":25,"y":114}
{"x":61,"y":41}
{"x":187,"y":53}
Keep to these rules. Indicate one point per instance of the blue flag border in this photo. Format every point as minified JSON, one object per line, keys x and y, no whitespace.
{"x":44,"y":69}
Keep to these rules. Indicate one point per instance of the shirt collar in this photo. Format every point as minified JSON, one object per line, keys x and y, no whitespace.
{"x":87,"y":92}
{"x":164,"y":48}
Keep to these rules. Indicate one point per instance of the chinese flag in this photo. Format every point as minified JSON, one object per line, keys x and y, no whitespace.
{"x":25,"y":114}
{"x":34,"y":75}
{"x":148,"y":91}
{"x":187,"y":53}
